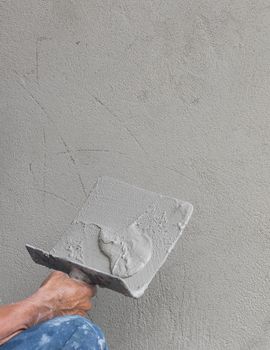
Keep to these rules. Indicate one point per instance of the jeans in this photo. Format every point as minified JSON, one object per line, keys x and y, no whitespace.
{"x":67,"y":332}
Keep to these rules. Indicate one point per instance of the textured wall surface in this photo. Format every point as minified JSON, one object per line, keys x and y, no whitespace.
{"x":173,"y":96}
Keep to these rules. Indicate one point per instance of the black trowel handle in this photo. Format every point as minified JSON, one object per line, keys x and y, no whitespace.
{"x":79,"y":275}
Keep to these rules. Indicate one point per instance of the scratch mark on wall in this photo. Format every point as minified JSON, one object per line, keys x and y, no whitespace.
{"x":97,"y":150}
{"x":44,"y":165}
{"x":136,"y":139}
{"x":68,"y":150}
{"x":93,"y":150}
{"x":55,"y":196}
{"x":37,"y":102}
{"x":178,"y":172}
{"x":117,"y":118}
{"x":72,"y":159}
{"x":106,"y":107}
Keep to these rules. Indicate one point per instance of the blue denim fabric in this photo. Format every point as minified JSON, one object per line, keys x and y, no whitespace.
{"x":67,"y":332}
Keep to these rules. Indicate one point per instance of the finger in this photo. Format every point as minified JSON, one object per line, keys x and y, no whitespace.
{"x":90,"y":289}
{"x":47,"y":279}
{"x":87,"y":306}
{"x":59,"y":274}
{"x":53,"y":276}
{"x":80,"y":313}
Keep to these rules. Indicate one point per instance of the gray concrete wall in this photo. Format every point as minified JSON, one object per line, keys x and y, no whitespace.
{"x":173,"y":96}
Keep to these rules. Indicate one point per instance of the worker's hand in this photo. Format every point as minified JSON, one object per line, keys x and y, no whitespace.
{"x":58,"y":295}
{"x":64,"y":295}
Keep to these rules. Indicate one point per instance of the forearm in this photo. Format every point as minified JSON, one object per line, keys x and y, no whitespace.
{"x":19,"y":316}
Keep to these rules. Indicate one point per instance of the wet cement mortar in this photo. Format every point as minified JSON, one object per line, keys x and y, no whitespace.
{"x":171,"y":96}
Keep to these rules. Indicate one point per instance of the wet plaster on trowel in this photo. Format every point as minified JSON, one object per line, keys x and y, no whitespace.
{"x":128,"y":251}
{"x":124,"y":231}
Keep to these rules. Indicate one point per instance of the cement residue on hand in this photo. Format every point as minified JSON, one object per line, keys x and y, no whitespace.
{"x":128,"y":251}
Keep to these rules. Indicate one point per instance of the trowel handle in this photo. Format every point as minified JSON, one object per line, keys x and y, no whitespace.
{"x":79,"y":275}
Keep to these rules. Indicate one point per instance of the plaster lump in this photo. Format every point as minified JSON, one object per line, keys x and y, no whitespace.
{"x":130,"y":250}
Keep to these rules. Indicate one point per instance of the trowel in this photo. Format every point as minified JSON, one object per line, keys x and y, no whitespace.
{"x":120,"y":237}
